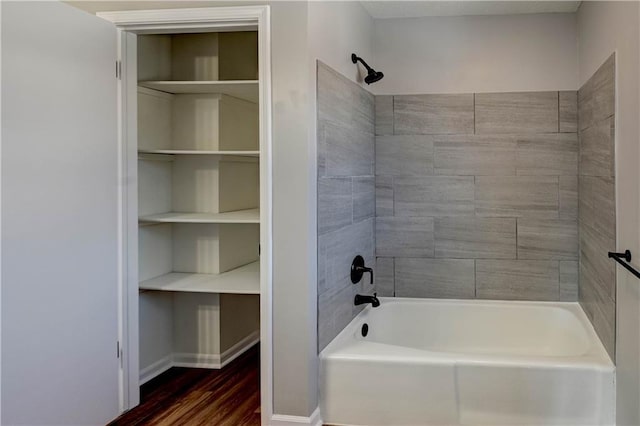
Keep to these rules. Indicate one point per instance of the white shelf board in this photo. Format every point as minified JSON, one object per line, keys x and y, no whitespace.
{"x":199,"y":152}
{"x":243,"y":280}
{"x":241,"y":89}
{"x":238,"y":216}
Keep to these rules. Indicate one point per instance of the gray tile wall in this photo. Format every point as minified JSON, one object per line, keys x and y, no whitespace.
{"x":346,"y":197}
{"x":597,"y":213}
{"x":477,"y":195}
{"x":495,"y":195}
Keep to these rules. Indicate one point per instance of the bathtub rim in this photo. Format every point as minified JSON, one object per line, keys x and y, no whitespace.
{"x":344,"y":346}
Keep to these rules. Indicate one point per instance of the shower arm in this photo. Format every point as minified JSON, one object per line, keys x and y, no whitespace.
{"x":355,"y":58}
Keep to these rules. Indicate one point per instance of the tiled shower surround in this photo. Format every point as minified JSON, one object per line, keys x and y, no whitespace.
{"x":346,"y":197}
{"x":476,"y":196}
{"x":596,"y":106}
{"x":485,"y":195}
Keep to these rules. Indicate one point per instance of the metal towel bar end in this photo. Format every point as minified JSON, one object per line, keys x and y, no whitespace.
{"x":624,"y":259}
{"x":626,"y":255}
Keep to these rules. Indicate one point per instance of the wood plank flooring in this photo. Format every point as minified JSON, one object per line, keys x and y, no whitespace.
{"x":198,"y":397}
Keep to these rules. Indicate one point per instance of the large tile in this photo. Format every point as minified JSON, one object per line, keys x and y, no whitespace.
{"x":323,"y":284}
{"x":384,"y":195}
{"x":568,"y":187}
{"x":594,"y":261}
{"x":599,"y":308}
{"x":434,"y":196}
{"x":335,"y":311}
{"x":404,"y":236}
{"x":364,"y":198}
{"x":593,"y":292}
{"x":384,"y":115}
{"x":346,"y":151}
{"x":603,"y":193}
{"x":550,"y":154}
{"x":346,"y":117}
{"x":597,"y":148}
{"x":442,"y":278}
{"x":363,"y":106}
{"x":475,"y":238}
{"x":474,"y":155}
{"x":321,"y":137}
{"x":433,"y":114}
{"x":337,"y":249}
{"x":517,"y":279}
{"x":517,"y":196}
{"x":548,"y":239}
{"x":607,"y":334}
{"x":596,"y":98}
{"x":341,"y":101}
{"x":597,"y":204}
{"x":410,"y":155}
{"x":517,"y":113}
{"x":569,"y":281}
{"x":334,"y":96}
{"x":384,"y":276}
{"x":568,"y":113}
{"x":334,"y":204}
{"x":601,"y":313}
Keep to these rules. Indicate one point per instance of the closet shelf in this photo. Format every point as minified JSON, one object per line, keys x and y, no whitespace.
{"x":198,"y":152}
{"x":243,"y":280}
{"x":241,"y":89}
{"x":238,"y":216}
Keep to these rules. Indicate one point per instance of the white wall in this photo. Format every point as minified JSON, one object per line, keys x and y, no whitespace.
{"x":338,"y":29}
{"x":605,"y":27}
{"x":476,"y":54}
{"x":295,"y":364}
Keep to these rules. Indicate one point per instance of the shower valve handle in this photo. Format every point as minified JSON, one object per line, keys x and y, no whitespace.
{"x":358,"y":269}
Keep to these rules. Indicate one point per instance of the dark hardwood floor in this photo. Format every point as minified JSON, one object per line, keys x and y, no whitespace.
{"x":194,"y":397}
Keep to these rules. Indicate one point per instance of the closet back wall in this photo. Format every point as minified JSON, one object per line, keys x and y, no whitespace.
{"x":476,"y":196}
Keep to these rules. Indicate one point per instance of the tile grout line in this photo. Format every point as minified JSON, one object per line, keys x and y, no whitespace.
{"x":393,"y":197}
{"x":517,"y":254}
{"x":393,"y":275}
{"x":559,"y":295}
{"x":353,"y":204}
{"x":393,"y":115}
{"x":560,"y":217}
{"x":475,"y":278}
{"x":558,"y":112}
{"x":474,"y":114}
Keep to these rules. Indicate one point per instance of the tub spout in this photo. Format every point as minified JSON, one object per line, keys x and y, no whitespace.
{"x":361,"y":300}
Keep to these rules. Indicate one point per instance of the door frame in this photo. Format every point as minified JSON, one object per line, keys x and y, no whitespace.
{"x":130,"y":23}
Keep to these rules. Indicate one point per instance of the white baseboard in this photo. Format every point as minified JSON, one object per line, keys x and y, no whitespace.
{"x":155,"y":369}
{"x":215,"y":361}
{"x":284,"y":420}
{"x":239,"y":348}
{"x":195,"y":360}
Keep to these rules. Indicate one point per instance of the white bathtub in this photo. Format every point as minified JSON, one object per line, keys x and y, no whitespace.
{"x":451,"y":362}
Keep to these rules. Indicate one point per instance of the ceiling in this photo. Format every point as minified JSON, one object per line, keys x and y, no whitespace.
{"x":416,"y":9}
